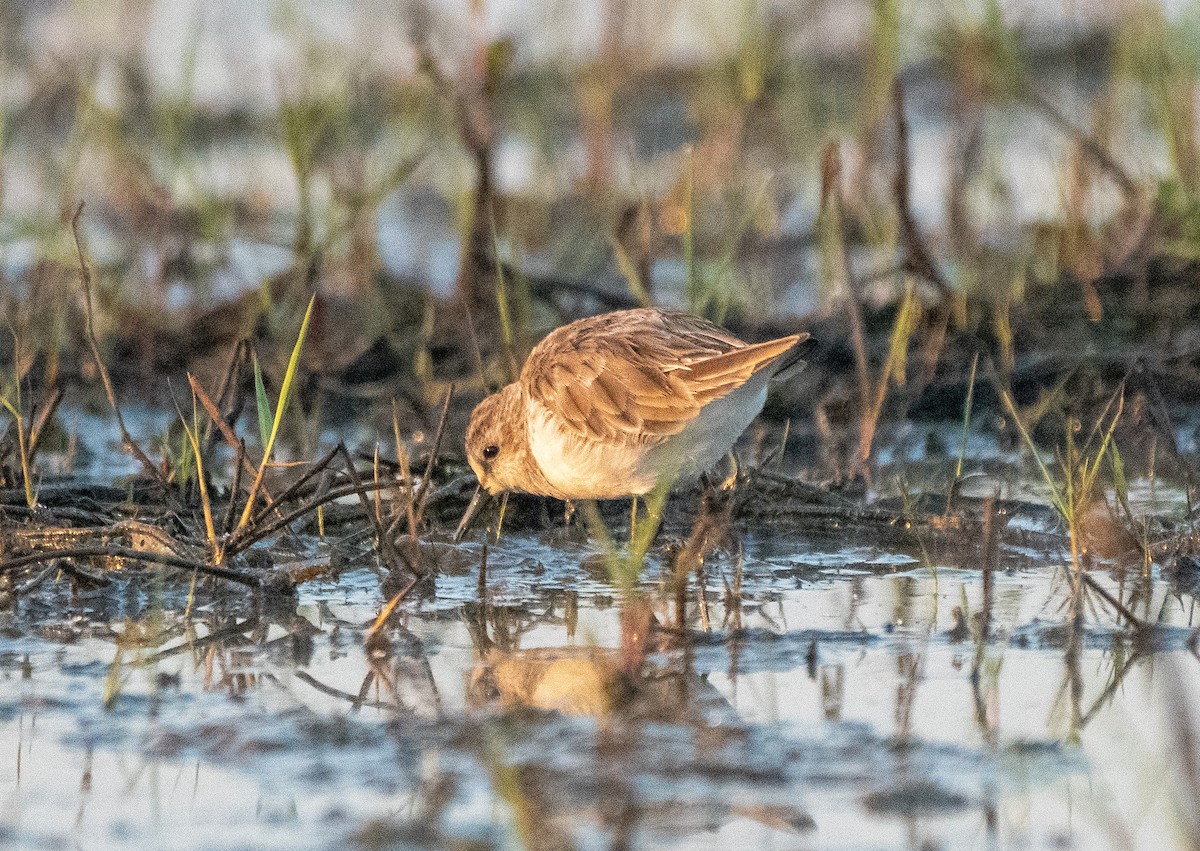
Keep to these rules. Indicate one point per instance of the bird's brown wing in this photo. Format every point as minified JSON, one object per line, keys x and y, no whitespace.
{"x":639,"y":376}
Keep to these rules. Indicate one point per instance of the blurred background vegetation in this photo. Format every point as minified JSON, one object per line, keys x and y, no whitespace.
{"x":453,"y":179}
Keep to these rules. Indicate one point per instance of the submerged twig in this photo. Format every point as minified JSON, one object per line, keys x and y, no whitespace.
{"x":991,"y":538}
{"x":1120,"y":607}
{"x":147,"y":556}
{"x":375,"y":633}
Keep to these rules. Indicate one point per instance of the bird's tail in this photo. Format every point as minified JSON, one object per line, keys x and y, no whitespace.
{"x":790,"y":363}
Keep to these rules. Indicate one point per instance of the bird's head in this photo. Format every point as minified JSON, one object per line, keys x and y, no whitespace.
{"x":497,"y":445}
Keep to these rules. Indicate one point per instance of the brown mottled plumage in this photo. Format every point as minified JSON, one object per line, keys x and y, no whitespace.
{"x":610,"y":405}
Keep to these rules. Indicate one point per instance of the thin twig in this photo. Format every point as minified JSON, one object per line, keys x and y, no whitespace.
{"x":916,"y":256}
{"x":1087,"y":144}
{"x":85,"y":279}
{"x":294,"y":487}
{"x":234,"y":487}
{"x":25,"y":587}
{"x":357,"y":700}
{"x":213,"y":414}
{"x":362,"y":494}
{"x":214,"y":637}
{"x":231,"y":386}
{"x":405,"y":470}
{"x":423,"y":489}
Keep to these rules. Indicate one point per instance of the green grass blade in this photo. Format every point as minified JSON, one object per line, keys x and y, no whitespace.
{"x":962,"y":446}
{"x":285,"y":392}
{"x":1056,"y":495}
{"x":902,"y":331}
{"x":192,"y":444}
{"x":1120,"y":483}
{"x":263,"y":403}
{"x":500,"y":515}
{"x":285,"y":389}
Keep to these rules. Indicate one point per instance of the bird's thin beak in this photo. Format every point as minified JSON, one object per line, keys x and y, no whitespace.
{"x":478,"y":501}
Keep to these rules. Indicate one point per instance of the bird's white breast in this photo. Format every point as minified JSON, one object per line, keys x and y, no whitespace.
{"x":579,"y":468}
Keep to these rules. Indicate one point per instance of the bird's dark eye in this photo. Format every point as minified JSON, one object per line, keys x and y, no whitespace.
{"x":490,"y":452}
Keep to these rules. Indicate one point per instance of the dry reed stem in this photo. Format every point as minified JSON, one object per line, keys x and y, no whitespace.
{"x":990,"y":560}
{"x":234,"y":486}
{"x":362,"y":495}
{"x":917,"y":259}
{"x":422,"y":494}
{"x":85,"y":279}
{"x":833,"y":203}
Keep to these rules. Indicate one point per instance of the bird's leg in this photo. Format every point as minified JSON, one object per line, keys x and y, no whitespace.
{"x":728,"y":483}
{"x":568,"y":513}
{"x":633,"y":511}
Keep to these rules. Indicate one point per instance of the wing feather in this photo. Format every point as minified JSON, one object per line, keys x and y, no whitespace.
{"x":712,"y":378}
{"x":640,"y":376}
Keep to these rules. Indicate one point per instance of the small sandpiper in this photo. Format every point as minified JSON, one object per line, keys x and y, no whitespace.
{"x":611,"y":405}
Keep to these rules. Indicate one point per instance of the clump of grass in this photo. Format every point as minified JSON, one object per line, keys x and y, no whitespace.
{"x":306,"y":124}
{"x":273,"y":420}
{"x":1078,"y":487}
{"x":883,"y":60}
{"x":915,"y":262}
{"x":983,"y":57}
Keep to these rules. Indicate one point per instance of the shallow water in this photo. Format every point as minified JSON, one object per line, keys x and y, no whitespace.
{"x":846,"y":713}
